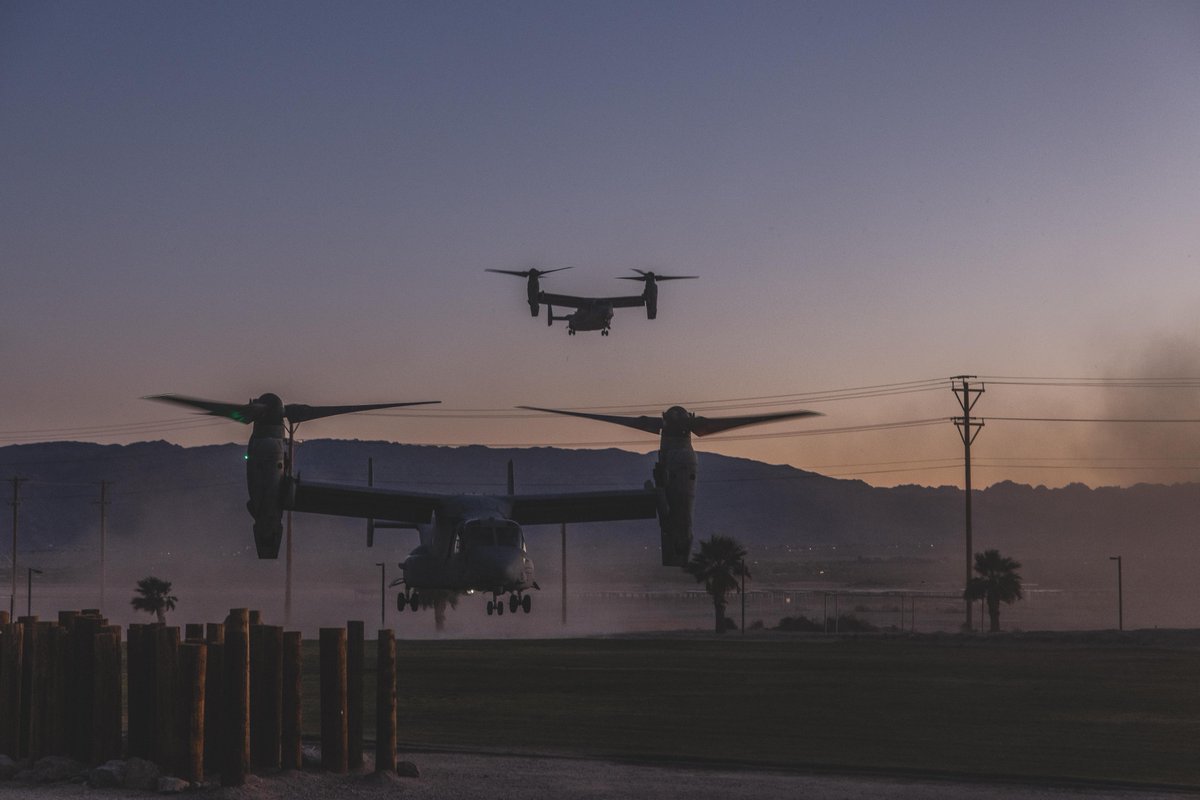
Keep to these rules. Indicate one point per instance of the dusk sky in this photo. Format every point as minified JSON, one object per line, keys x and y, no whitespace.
{"x":224,"y":199}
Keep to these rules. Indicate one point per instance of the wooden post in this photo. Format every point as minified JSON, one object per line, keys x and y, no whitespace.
{"x":11,"y":658}
{"x":266,"y":693}
{"x":255,"y":617}
{"x":167,"y":745}
{"x":333,"y":700}
{"x":291,"y":701}
{"x":385,"y":703}
{"x":355,"y":654}
{"x":53,"y":639}
{"x":106,"y":716}
{"x":82,"y":693}
{"x":4,"y":618}
{"x":32,"y":691}
{"x":235,"y":760}
{"x":214,"y":696}
{"x":135,"y":682}
{"x":193,"y":662}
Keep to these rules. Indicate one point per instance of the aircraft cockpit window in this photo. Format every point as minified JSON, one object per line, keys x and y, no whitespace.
{"x":508,"y":537}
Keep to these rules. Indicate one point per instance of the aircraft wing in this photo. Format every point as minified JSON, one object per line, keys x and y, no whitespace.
{"x":566,"y":300}
{"x":542,"y":509}
{"x":364,"y":502}
{"x":571,"y":301}
{"x":627,"y":301}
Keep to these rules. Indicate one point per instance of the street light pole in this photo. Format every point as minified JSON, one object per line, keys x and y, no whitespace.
{"x":1120,"y":595}
{"x":382,"y":593}
{"x":29,"y":590}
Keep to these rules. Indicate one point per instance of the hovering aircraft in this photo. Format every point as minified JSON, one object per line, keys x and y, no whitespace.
{"x":675,"y":472}
{"x":591,"y":313}
{"x":468,"y":543}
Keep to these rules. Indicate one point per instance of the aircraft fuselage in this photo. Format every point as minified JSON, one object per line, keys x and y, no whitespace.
{"x":591,"y":317}
{"x":470,"y":545}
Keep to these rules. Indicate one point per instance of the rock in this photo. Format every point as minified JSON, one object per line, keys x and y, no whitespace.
{"x":52,"y":769}
{"x":407,"y":769}
{"x":310,"y":756}
{"x":109,"y":775}
{"x":169,"y":785}
{"x":9,"y":768}
{"x":141,"y":774}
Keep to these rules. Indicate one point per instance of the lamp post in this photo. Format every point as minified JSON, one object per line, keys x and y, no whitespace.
{"x":382,"y":594}
{"x":1120,"y":595}
{"x":29,"y":590}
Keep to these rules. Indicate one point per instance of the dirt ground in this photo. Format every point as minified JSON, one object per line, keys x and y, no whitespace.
{"x":472,"y":776}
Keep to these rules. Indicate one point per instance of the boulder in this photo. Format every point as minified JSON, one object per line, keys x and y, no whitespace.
{"x":52,"y":769}
{"x":9,"y":768}
{"x":141,"y":774}
{"x":109,"y":775}
{"x":169,"y":785}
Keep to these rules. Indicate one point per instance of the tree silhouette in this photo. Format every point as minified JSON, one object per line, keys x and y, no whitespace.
{"x":154,"y":597}
{"x":997,"y":582}
{"x":718,"y":564}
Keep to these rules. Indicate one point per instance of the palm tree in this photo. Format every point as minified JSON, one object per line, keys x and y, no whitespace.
{"x":997,"y":582}
{"x":154,"y":596}
{"x":718,"y":565}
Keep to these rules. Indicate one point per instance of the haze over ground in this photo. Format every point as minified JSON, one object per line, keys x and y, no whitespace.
{"x":225,"y":199}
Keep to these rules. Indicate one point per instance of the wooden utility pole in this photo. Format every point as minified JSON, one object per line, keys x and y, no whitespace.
{"x":968,"y":429}
{"x":16,"y":502}
{"x":287,"y":585}
{"x":564,"y":573}
{"x":103,"y":503}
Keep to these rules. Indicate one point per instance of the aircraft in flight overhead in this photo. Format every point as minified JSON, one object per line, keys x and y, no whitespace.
{"x":591,"y":313}
{"x":468,"y":543}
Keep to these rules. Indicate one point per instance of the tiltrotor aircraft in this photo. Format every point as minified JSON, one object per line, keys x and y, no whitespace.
{"x":468,"y":543}
{"x":591,"y":313}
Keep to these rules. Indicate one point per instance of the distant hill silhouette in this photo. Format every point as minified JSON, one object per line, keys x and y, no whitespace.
{"x":191,"y":501}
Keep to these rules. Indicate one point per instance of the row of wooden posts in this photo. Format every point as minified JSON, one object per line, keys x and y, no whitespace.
{"x":227,"y":699}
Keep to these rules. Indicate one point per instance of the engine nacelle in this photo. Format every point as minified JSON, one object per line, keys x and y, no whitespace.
{"x":650,"y":296}
{"x":652,"y":308}
{"x":675,"y":478}
{"x":265,"y":471}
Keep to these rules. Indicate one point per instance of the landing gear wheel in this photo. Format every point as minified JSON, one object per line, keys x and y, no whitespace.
{"x":604,"y":333}
{"x":513,"y":602}
{"x":500,"y":608}
{"x":527,"y":603}
{"x":491,"y":608}
{"x":401,"y":602}
{"x":414,"y":602}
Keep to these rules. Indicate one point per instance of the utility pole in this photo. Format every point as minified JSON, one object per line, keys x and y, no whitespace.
{"x":564,"y":573}
{"x":103,"y":503}
{"x":967,"y":395}
{"x":1120,"y":595}
{"x":287,"y":585}
{"x":16,"y":501}
{"x":382,"y":593}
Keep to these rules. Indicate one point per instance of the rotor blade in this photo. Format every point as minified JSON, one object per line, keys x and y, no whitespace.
{"x":298,"y":412}
{"x":244,"y":413}
{"x":645,"y":277}
{"x":525,"y":273}
{"x":647,"y":424}
{"x":703,"y":426}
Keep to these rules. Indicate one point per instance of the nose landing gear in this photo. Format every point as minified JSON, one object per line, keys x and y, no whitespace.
{"x":412,"y":600}
{"x":516,"y":601}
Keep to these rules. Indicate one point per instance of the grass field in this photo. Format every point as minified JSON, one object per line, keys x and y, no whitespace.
{"x":1062,"y":708}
